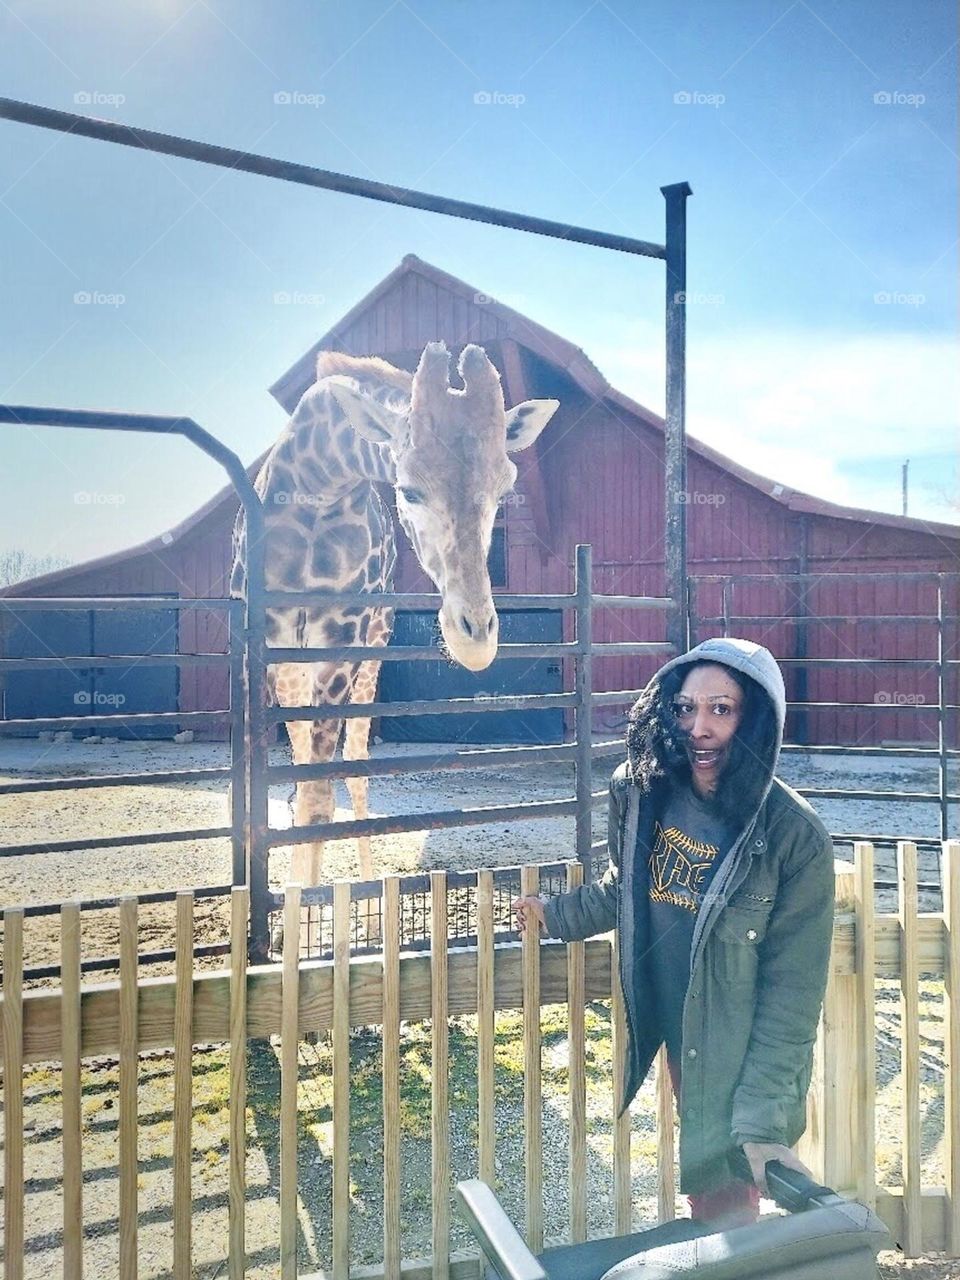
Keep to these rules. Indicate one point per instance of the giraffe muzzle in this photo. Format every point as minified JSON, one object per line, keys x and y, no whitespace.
{"x":471,"y":635}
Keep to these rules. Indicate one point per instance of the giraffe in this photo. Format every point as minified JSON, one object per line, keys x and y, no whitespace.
{"x":445,"y":451}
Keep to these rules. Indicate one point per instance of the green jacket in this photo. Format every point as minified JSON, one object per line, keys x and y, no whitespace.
{"x":758,"y":969}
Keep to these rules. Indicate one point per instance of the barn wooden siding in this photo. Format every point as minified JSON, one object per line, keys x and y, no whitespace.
{"x":596,"y":476}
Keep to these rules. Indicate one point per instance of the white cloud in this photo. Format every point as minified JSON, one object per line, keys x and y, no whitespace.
{"x":803,"y":407}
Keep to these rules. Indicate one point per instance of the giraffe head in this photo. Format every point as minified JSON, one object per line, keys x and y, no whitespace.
{"x":451,"y":450}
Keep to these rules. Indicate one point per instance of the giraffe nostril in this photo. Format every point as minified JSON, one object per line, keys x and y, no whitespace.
{"x":491,"y":622}
{"x":465,"y":625}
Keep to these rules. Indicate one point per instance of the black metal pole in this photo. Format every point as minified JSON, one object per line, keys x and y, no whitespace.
{"x":238,"y":753}
{"x":674,"y":445}
{"x":584,"y":712}
{"x":257,"y":827}
{"x":306,"y":175}
{"x":942,"y":717}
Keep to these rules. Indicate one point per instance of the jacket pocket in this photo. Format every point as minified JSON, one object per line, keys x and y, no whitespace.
{"x":740,"y":929}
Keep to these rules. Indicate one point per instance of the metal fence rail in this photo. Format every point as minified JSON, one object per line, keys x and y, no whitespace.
{"x":262,"y":838}
{"x":802,"y":616}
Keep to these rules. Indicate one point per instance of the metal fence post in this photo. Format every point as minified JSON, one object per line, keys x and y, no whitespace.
{"x":238,"y":752}
{"x":257,"y":824}
{"x":674,"y":444}
{"x":584,"y":709}
{"x":942,"y":772}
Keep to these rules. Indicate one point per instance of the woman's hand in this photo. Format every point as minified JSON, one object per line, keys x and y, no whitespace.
{"x":758,"y":1153}
{"x":527,"y":910}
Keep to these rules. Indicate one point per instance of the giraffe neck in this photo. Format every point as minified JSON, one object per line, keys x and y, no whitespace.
{"x":331,"y":456}
{"x":326,"y":525}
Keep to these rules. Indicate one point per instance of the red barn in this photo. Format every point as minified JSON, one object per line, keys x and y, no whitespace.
{"x":596,"y":475}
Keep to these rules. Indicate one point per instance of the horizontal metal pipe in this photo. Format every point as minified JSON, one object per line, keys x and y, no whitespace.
{"x":442,"y":706}
{"x":857,"y":662}
{"x":113,"y":842}
{"x":105,"y":963}
{"x":814,"y":576}
{"x":112,"y":780}
{"x":864,"y":751}
{"x":439,"y":820}
{"x":616,"y":697}
{"x":630,"y":602}
{"x":402,"y":600}
{"x":132,"y":720}
{"x":148,"y":423}
{"x":407,"y":653}
{"x":838,"y":793}
{"x":820,"y":617}
{"x":397,"y":766}
{"x":306,"y":175}
{"x":143,"y":899}
{"x":411,"y":653}
{"x":114,"y":662}
{"x":876,"y":706}
{"x":630,"y":648}
{"x":854,"y":837}
{"x":135,"y":604}
{"x":431,"y":600}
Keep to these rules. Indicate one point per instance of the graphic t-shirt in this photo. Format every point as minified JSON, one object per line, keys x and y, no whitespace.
{"x":690,"y":841}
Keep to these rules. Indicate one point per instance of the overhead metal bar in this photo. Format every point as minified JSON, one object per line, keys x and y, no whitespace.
{"x":307,"y":176}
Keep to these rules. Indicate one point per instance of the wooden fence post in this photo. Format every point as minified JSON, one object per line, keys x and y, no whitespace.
{"x":834,"y":1112}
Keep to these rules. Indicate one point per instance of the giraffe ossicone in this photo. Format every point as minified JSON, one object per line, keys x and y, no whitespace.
{"x":445,"y":450}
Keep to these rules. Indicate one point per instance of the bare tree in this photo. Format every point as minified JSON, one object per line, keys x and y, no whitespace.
{"x":16,"y":565}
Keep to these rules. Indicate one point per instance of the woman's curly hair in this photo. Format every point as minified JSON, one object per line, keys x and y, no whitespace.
{"x":656,"y":747}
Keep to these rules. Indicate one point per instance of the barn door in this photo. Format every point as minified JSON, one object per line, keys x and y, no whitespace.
{"x":135,"y":688}
{"x":80,"y":633}
{"x":414,"y":681}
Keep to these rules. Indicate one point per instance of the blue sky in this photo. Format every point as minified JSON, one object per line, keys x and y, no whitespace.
{"x":819,"y":139}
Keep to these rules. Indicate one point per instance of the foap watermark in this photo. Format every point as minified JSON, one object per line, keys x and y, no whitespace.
{"x":696,"y":498}
{"x":895,"y":298}
{"x":294,"y":498}
{"x":96,"y":98}
{"x":84,"y":498}
{"x":897,"y":98}
{"x":296,"y":298}
{"x":894,"y":698}
{"x":696,"y":98}
{"x":83,"y":698}
{"x":97,"y":298}
{"x":511,"y":499}
{"x":497,"y":98}
{"x":517,"y":301}
{"x":297,"y":98}
{"x":699,"y":299}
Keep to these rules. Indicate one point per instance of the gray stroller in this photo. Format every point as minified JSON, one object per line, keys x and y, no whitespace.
{"x":823,"y":1237}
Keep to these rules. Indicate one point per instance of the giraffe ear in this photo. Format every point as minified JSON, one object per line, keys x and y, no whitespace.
{"x":368,"y":417}
{"x":526,"y":421}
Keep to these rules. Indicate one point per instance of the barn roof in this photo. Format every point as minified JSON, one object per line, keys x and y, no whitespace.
{"x":564,"y":354}
{"x":555,"y":350}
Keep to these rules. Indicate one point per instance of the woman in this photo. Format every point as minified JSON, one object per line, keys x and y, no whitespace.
{"x":720,"y":882}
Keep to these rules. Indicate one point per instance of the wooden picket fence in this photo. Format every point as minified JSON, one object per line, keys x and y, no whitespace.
{"x":297,"y":998}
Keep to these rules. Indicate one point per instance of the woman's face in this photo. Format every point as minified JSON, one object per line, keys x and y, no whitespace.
{"x":708,"y":710}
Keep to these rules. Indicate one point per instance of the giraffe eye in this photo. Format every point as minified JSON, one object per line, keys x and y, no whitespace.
{"x":412,"y":496}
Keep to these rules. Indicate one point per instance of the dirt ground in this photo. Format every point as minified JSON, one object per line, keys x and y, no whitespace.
{"x":106,"y":873}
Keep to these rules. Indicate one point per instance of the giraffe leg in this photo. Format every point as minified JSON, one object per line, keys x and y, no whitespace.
{"x":311,"y":742}
{"x":316,"y":744}
{"x":356,"y":747}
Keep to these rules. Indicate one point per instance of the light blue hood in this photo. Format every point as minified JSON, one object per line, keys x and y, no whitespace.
{"x":750,"y":658}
